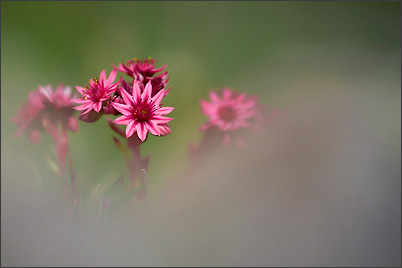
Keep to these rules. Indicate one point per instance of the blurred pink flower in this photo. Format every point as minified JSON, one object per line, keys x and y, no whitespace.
{"x":142,"y":113}
{"x":99,"y":91}
{"x":44,"y":110}
{"x":231,"y":112}
{"x":144,"y":71}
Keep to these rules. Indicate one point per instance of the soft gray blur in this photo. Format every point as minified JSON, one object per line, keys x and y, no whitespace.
{"x":321,"y":187}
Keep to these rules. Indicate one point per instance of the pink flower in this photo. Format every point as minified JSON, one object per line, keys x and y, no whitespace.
{"x":231,"y":112}
{"x":44,"y":110}
{"x":142,"y":112}
{"x":144,"y":71}
{"x":99,"y":91}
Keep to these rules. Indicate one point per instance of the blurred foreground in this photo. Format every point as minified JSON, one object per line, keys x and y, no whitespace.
{"x":321,"y":187}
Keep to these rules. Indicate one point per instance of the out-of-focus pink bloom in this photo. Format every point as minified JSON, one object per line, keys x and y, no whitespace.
{"x":231,"y":112}
{"x":141,"y":112}
{"x":96,"y":95}
{"x":44,"y":110}
{"x":144,"y":71}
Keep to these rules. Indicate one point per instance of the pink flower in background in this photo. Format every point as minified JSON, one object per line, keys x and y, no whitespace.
{"x":232,"y":117}
{"x":27,"y":117}
{"x":99,"y":91}
{"x":230,"y":112}
{"x":141,"y":112}
{"x":44,"y":110}
{"x":144,"y":71}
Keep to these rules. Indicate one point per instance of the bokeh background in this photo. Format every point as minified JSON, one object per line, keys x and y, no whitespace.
{"x":320,"y":187}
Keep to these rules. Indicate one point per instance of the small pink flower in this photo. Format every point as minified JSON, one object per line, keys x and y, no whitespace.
{"x":142,"y":112}
{"x":144,"y":71}
{"x":231,"y":112}
{"x":98,"y":92}
{"x":44,"y":110}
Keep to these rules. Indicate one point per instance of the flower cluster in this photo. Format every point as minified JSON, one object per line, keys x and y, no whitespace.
{"x":137,"y":102}
{"x":46,"y":109}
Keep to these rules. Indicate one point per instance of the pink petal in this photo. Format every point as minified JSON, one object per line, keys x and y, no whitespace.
{"x":81,"y":90}
{"x":79,"y":101}
{"x":141,"y":132}
{"x":158,"y":97}
{"x":160,"y":69}
{"x":119,"y":68}
{"x":46,"y":91}
{"x":147,"y":91}
{"x":113,"y":87}
{"x":153,"y":129}
{"x":123,"y":120}
{"x":97,"y":106}
{"x":161,"y":119}
{"x":164,"y":110}
{"x":67,"y":92}
{"x":126,"y":97}
{"x":130,"y":128}
{"x":136,"y":92}
{"x":102,"y":75}
{"x":124,"y":109}
{"x":207,"y":108}
{"x":164,"y":129}
{"x":84,"y":106}
{"x":112,"y":77}
{"x":87,"y":111}
{"x":92,"y":83}
{"x":167,"y":91}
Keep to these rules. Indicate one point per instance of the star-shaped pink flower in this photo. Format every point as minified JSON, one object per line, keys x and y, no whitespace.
{"x":98,"y":92}
{"x":142,"y":112}
{"x":231,"y":112}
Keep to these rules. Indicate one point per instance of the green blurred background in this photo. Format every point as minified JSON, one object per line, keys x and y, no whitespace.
{"x":277,"y":50}
{"x":256,"y":47}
